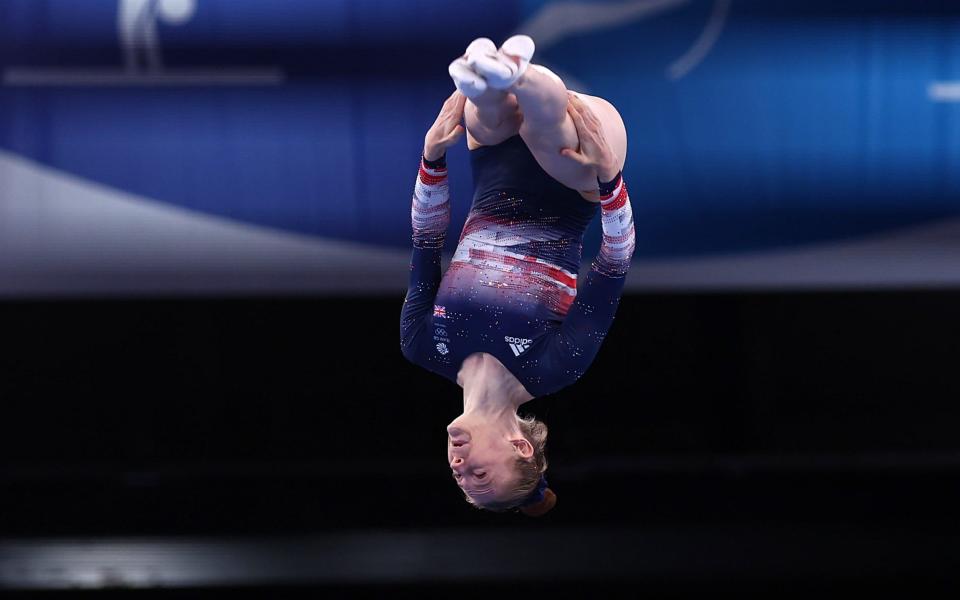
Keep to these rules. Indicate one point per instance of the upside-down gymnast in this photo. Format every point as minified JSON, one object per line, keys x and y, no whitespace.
{"x":506,"y":321}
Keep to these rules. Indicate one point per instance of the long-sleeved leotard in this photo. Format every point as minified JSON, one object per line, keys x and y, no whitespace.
{"x":511,"y":287}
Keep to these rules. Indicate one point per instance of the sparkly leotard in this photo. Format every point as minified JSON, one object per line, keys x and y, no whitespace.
{"x":511,"y":287}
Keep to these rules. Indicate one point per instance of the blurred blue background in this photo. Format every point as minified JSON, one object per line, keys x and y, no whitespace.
{"x":230,"y":180}
{"x":235,"y":145}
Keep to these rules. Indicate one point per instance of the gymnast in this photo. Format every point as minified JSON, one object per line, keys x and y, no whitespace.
{"x":506,"y":321}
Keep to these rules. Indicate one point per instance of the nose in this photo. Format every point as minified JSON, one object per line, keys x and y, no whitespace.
{"x":458,"y":435}
{"x":457,"y":463}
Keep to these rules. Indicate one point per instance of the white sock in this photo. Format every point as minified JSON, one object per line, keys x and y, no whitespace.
{"x":467,"y":80}
{"x":502,"y":69}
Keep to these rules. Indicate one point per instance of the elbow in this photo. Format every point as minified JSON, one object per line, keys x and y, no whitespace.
{"x":613,"y":264}
{"x":407,"y":343}
{"x":406,"y":350}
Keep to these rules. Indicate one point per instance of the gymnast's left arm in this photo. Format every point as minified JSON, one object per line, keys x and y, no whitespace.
{"x":429,"y":216}
{"x":591,"y":315}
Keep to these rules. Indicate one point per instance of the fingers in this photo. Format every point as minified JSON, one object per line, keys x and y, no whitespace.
{"x":575,"y":156}
{"x":582,"y":109}
{"x":594,"y":149}
{"x":455,"y":101}
{"x":588,"y":134}
{"x":453,"y":105}
{"x":446,"y":129}
{"x":589,"y":118}
{"x":452,"y":111}
{"x":456,"y":110}
{"x":576,"y":116}
{"x":454,"y":135}
{"x":459,"y":101}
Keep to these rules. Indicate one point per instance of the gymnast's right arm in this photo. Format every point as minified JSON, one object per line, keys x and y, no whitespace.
{"x":429,"y":216}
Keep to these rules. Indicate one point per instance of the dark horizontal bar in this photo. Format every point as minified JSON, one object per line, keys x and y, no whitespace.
{"x":696,"y":553}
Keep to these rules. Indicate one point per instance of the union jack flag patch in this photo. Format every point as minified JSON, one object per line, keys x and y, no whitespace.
{"x":439,"y":311}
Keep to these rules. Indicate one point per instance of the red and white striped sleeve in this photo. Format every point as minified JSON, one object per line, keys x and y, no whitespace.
{"x":430,"y":210}
{"x":616,"y":218}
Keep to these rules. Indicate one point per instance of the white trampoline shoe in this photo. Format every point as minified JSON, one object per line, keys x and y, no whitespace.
{"x":504,"y":67}
{"x":468,"y":81}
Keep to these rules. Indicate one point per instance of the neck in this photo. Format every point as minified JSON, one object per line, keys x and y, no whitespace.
{"x":489,"y":389}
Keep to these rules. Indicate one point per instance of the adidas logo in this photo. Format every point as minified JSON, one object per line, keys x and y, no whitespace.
{"x":518,"y":345}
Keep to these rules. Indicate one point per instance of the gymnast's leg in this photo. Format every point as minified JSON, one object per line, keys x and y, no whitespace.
{"x":490,"y":115}
{"x":542,"y":99}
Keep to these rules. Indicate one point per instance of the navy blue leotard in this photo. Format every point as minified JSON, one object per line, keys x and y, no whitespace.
{"x":511,"y":287}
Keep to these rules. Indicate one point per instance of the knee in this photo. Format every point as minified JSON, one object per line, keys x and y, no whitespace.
{"x":545,"y":95}
{"x":548,"y":74}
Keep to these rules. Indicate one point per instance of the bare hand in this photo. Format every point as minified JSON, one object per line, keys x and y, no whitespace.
{"x":594,"y":150}
{"x":446,"y":130}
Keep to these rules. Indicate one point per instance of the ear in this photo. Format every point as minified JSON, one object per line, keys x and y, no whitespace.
{"x":524,"y":448}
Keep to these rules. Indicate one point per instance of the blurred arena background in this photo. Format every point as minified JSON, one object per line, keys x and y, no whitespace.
{"x":204,"y":232}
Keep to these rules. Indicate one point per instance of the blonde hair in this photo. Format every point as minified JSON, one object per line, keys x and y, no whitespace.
{"x":528,"y":469}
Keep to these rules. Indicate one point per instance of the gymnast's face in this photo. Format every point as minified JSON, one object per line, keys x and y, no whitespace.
{"x":483,"y":462}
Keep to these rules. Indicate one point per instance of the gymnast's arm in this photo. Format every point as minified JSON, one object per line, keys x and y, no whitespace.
{"x":430,"y":216}
{"x":592,"y":313}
